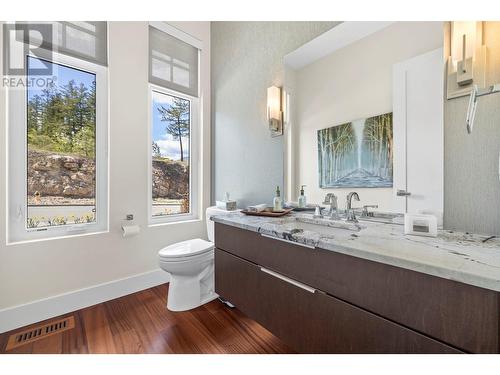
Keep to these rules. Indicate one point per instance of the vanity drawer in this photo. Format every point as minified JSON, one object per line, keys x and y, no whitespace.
{"x":311,"y":321}
{"x":462,"y":315}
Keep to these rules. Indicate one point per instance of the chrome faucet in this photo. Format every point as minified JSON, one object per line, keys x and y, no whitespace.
{"x":331,"y":199}
{"x":317,"y":212}
{"x":350,"y":215}
{"x":367,"y":213}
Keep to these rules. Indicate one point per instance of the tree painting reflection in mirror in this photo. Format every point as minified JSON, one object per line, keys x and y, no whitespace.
{"x":357,"y":154}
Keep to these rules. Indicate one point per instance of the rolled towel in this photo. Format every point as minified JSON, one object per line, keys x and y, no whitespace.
{"x":257,"y":208}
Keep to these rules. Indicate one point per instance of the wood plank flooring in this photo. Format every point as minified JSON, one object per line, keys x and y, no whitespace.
{"x":141,"y":323}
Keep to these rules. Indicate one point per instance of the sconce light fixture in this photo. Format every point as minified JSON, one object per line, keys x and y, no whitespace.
{"x":467,"y":60}
{"x":274,"y":111}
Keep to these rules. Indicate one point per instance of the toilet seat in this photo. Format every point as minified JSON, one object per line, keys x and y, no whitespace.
{"x":185,"y":250}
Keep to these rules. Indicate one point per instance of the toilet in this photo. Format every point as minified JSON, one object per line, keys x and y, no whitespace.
{"x":191,"y":267}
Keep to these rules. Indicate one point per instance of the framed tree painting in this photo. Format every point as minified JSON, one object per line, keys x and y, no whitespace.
{"x":357,"y":154}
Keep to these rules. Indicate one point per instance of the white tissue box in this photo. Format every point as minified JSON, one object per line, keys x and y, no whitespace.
{"x":226,"y":205}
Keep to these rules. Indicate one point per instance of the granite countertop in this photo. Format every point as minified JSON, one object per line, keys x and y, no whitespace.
{"x":464,"y":257}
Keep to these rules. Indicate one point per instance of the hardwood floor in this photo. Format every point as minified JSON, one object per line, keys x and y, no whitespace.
{"x":141,"y":323}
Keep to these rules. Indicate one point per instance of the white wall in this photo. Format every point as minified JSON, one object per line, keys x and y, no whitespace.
{"x":37,"y":270}
{"x":352,"y":83}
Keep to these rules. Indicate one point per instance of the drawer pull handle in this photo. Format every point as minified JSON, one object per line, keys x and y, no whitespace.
{"x":287,"y":241}
{"x":288,"y":280}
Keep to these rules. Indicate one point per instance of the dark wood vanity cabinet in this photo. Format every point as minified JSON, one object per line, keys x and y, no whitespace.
{"x":320,"y":301}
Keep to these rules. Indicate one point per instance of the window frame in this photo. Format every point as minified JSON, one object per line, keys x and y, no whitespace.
{"x":17,"y":157}
{"x":194,"y":159}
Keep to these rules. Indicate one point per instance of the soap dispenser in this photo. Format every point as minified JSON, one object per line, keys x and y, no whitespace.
{"x":302,"y":197}
{"x":277,"y":203}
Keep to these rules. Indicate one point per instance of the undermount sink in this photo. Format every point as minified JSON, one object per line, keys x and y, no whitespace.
{"x":324,"y":227}
{"x":381,"y":217}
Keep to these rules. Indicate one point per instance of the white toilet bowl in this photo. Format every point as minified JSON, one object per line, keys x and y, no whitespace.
{"x":191,"y":267}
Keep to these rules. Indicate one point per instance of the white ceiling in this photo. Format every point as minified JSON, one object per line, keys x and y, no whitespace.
{"x":332,"y":40}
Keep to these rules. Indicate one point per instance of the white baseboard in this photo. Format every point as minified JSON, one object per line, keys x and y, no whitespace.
{"x":22,"y":315}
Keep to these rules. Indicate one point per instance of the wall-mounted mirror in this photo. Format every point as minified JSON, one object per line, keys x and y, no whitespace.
{"x":364,"y":108}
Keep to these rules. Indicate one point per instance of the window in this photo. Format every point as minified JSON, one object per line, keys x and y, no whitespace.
{"x":60,"y":178}
{"x":84,"y":40}
{"x":174,"y":128}
{"x":173,"y":63}
{"x":57,"y":146}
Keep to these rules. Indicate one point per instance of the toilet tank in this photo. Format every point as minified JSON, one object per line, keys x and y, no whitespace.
{"x":213,"y":211}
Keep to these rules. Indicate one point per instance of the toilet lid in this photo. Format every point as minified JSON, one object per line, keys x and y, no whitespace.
{"x":186,"y":248}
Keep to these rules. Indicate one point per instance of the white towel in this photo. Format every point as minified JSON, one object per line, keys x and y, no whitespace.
{"x":257,"y":208}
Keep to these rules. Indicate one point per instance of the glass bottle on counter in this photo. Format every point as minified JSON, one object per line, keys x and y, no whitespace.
{"x":277,"y":202}
{"x":302,"y":197}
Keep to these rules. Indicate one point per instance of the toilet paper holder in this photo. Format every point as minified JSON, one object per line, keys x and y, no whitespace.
{"x":128,"y":227}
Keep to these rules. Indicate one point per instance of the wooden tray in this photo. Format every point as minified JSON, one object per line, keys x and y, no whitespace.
{"x":300,"y":209}
{"x":267,"y":212}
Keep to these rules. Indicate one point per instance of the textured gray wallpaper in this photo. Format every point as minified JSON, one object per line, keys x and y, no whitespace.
{"x":247,"y":58}
{"x":471,"y":182}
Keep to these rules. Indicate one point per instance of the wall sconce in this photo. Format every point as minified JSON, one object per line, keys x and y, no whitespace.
{"x":467,"y":60}
{"x":274,"y":111}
